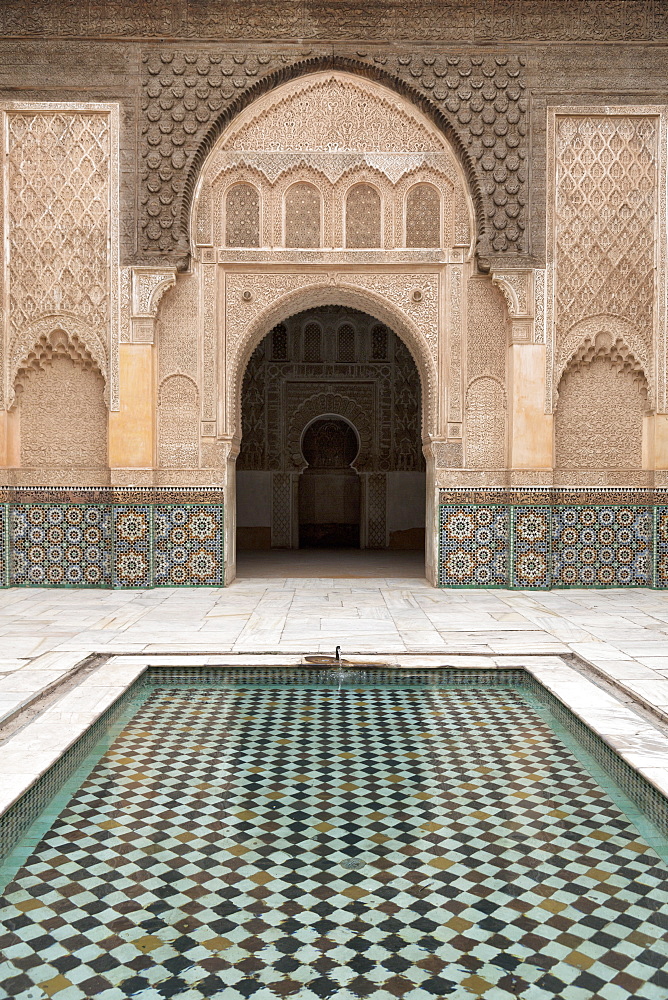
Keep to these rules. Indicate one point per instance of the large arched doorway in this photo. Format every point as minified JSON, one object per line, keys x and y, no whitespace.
{"x":331,"y":449}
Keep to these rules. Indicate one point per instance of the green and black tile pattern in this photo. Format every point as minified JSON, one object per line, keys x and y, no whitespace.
{"x":359,"y":843}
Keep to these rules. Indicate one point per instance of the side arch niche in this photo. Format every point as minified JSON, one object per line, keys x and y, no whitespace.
{"x":602,"y":398}
{"x":59,"y":417}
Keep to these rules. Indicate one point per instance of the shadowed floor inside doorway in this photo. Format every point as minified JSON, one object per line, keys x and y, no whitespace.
{"x":317,"y":563}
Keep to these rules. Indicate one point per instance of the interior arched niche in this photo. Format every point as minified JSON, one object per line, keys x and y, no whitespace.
{"x":60,"y":415}
{"x":602,"y":399}
{"x":334,"y":130}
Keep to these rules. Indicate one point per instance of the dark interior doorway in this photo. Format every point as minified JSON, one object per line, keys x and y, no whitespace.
{"x":329,"y":488}
{"x":331,"y":450}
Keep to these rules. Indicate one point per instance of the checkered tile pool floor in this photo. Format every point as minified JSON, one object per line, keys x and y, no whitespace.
{"x":371,"y":843}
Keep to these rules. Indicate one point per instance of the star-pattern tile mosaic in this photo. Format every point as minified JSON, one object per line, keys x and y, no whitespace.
{"x":355,"y":843}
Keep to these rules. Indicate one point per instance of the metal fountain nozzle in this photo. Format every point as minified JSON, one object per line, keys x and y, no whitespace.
{"x":338,"y":653}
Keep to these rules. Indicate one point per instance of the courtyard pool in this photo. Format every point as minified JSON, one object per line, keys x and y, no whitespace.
{"x":379,"y":834}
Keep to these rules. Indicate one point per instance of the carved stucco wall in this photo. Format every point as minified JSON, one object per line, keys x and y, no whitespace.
{"x":607,"y":241}
{"x":190,"y":96}
{"x":599,"y":417}
{"x":60,"y":198}
{"x":314,"y":147}
{"x":486,"y":364}
{"x":62,"y":418}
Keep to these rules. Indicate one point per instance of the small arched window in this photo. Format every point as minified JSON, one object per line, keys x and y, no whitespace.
{"x":346,"y":343}
{"x":302,"y":216}
{"x":312,"y":342}
{"x":242,"y":216}
{"x":423,"y":217}
{"x":363,"y":216}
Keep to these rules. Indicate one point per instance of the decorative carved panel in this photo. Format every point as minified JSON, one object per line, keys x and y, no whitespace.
{"x":242,"y":216}
{"x":480,"y":95}
{"x":178,"y":423}
{"x":599,"y":414}
{"x":363,"y":220}
{"x":606,"y":208}
{"x":486,"y":340}
{"x":62,"y":413}
{"x":62,"y":230}
{"x":302,"y":216}
{"x":177,"y":335}
{"x":423,"y":216}
{"x":485,"y":424}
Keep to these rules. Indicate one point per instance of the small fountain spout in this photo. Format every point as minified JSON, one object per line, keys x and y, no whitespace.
{"x":338,"y":654}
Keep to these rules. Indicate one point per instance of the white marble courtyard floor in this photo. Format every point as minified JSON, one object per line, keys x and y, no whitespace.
{"x":53,"y":687}
{"x":44,"y":633}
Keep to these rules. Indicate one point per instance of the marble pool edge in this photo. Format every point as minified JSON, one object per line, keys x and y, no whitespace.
{"x":30,"y":752}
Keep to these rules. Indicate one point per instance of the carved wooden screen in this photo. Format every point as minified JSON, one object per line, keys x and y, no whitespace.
{"x":346,"y":343}
{"x":312,"y":342}
{"x":423,"y":217}
{"x":363,"y":217}
{"x":279,"y":343}
{"x":379,"y":343}
{"x":242,"y":216}
{"x":302,"y":216}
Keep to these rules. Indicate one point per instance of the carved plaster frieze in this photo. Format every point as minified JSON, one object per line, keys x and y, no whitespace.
{"x":614,"y":159}
{"x":61,"y":211}
{"x":450,"y":21}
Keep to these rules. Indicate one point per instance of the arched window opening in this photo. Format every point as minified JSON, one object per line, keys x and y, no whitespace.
{"x":242,"y":216}
{"x":423,"y":217}
{"x":346,"y":343}
{"x":312,"y":342}
{"x":302,"y":216}
{"x":363,"y":226}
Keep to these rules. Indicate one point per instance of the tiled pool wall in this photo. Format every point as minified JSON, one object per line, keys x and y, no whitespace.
{"x":543,"y":539}
{"x":20,"y":816}
{"x":110,"y":537}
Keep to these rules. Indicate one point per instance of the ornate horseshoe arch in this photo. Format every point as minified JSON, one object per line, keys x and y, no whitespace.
{"x":326,"y":294}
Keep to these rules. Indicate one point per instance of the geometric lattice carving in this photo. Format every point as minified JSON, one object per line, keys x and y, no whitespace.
{"x":59,"y":226}
{"x":178,"y":423}
{"x":605,"y":219}
{"x":242,"y":216}
{"x":302,"y":216}
{"x":485,"y":424}
{"x":599,"y":414}
{"x":346,"y":342}
{"x":312,"y":342}
{"x":363,"y":222}
{"x":423,"y":216}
